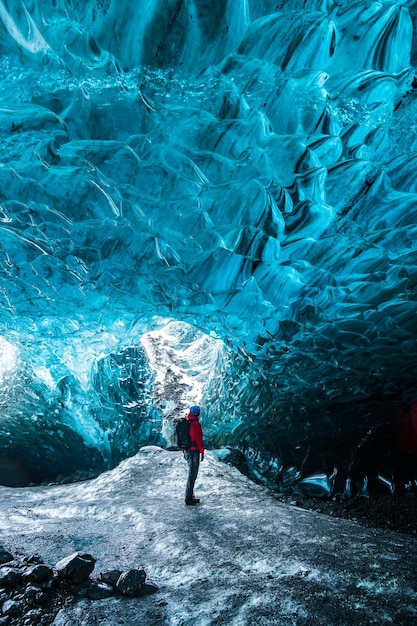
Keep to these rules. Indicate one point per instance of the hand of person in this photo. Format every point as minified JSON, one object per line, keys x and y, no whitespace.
{"x":202,"y":457}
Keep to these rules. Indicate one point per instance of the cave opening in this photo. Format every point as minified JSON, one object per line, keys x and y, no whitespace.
{"x":185,"y":361}
{"x":75,"y":419}
{"x":70,"y":418}
{"x":8,"y":355}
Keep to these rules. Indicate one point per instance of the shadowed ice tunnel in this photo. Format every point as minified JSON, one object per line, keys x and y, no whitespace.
{"x":212,"y":202}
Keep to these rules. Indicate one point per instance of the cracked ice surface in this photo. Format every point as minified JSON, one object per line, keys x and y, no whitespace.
{"x":247,"y":168}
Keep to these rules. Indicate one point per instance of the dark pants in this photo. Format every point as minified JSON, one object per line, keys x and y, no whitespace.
{"x":193,"y":459}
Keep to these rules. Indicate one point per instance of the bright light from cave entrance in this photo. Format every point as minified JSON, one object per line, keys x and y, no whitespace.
{"x":8,"y":354}
{"x":183,"y":359}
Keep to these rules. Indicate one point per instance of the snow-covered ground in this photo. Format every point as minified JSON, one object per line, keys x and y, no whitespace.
{"x":239,"y":558}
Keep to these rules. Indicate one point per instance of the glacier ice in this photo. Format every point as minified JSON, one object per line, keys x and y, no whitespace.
{"x":244,"y":168}
{"x":256,"y":560}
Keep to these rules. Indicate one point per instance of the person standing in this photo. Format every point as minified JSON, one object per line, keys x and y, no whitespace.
{"x":194,"y":454}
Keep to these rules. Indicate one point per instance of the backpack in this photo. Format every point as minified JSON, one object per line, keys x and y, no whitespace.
{"x":182,"y":434}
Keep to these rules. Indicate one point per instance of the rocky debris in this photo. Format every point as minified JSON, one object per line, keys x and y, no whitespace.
{"x":5,"y":556}
{"x":131,"y":583}
{"x":12,"y":608}
{"x":75,"y":568}
{"x":32,"y":593}
{"x":37,"y":573}
{"x":391,"y":512}
{"x":10,"y":576}
{"x":96,"y":590}
{"x":111,"y":577}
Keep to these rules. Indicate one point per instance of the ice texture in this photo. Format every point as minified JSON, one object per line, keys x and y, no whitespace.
{"x":241,"y":557}
{"x":246,"y":167}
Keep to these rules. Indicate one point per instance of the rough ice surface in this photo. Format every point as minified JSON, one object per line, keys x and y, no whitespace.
{"x":246,"y":167}
{"x":254,"y":561}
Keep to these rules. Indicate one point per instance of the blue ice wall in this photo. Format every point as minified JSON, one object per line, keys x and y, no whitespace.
{"x":246,"y":166}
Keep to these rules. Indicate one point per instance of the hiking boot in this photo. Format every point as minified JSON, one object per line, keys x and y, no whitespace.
{"x":192,"y":501}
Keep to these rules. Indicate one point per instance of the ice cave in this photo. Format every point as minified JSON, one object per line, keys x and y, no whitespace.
{"x":210,"y":202}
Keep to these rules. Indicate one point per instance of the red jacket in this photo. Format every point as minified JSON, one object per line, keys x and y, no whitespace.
{"x":196,"y":433}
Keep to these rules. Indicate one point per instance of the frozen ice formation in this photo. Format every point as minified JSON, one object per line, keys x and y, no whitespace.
{"x":246,"y":168}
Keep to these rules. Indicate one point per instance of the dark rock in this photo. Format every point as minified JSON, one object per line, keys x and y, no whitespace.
{"x":147,"y":589}
{"x":50,"y":583}
{"x":75,"y":568}
{"x":37,"y":573}
{"x":5,"y":556}
{"x":12,"y":608}
{"x":111,"y":577}
{"x":32,"y":616}
{"x":41,"y":598}
{"x":10,"y":576}
{"x":97,"y":591}
{"x":31,"y":592}
{"x":131,"y":583}
{"x":34,"y":558}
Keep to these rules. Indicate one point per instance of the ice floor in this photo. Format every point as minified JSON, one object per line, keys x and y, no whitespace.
{"x":239,"y":558}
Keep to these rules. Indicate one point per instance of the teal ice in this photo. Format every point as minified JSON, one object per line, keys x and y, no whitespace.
{"x":242,"y":170}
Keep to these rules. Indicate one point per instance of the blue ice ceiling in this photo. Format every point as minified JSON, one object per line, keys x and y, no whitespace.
{"x":245,"y":166}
